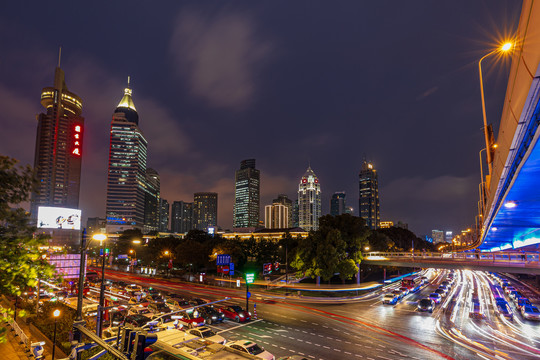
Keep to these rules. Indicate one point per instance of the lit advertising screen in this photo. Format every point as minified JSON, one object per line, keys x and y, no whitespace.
{"x":59,"y":218}
{"x":67,"y":265}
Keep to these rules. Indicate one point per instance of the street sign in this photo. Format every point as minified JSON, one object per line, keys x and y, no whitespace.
{"x":223,"y":259}
{"x":250,"y":278}
{"x":237,"y":283}
{"x":122,"y":257}
{"x":231,"y":269}
{"x":248,"y":294}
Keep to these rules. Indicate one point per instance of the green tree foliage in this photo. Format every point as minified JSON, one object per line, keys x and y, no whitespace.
{"x":334,"y":248}
{"x":20,"y":258}
{"x":397,"y":239}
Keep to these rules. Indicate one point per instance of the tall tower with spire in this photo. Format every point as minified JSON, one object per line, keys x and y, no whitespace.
{"x":309,"y":201}
{"x":126,"y":181}
{"x":58,"y":154}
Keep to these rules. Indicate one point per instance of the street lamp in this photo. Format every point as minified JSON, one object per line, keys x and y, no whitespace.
{"x":502,"y":49}
{"x":132,"y":264}
{"x":56,"y":314}
{"x":169,"y":255}
{"x":366,"y":248}
{"x":101,"y":238}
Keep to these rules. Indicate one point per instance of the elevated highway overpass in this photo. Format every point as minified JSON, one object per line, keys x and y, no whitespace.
{"x":508,"y":262}
{"x":510,"y":204}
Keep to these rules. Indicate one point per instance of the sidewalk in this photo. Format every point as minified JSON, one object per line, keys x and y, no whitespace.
{"x":11,"y":349}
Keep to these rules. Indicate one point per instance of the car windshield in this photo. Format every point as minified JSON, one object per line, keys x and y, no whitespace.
{"x":254,"y":349}
{"x":207,"y":333}
{"x":434,"y":295}
{"x":425,"y":302}
{"x":236,"y":308}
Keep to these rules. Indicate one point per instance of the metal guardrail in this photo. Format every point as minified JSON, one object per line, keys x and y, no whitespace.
{"x":492,"y":257}
{"x":24,"y":339}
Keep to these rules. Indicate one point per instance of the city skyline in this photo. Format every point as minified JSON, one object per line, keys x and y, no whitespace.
{"x":418,"y":119}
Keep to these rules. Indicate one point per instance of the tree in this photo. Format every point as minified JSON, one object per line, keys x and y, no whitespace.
{"x":334,"y":248}
{"x":21,"y":264}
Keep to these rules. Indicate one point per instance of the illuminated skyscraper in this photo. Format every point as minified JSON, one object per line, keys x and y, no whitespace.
{"x":247,"y":198}
{"x":276,"y":216}
{"x":126,"y":181}
{"x":337,"y":204}
{"x":309,"y":201}
{"x":163,"y":215}
{"x":369,"y":196}
{"x":58,"y":153}
{"x":181,"y":217}
{"x":205,"y":209}
{"x":151,"y":201}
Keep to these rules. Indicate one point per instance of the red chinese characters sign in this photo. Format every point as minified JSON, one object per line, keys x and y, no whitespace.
{"x":77,"y":140}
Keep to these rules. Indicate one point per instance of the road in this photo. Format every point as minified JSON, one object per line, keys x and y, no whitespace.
{"x":367,"y":329}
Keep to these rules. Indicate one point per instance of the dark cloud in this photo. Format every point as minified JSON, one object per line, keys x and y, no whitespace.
{"x":219,"y":55}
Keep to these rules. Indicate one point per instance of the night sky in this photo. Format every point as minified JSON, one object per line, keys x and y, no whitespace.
{"x":285,"y":82}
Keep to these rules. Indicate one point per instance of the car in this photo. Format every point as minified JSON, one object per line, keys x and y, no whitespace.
{"x":514,"y":295}
{"x":446,"y":289}
{"x":210,"y":315}
{"x":441,"y":292}
{"x":521,"y":302}
{"x":235,"y":312}
{"x":154,"y":298}
{"x":136,"y":320}
{"x":252,"y":348}
{"x":436,"y":297}
{"x":503,"y":309}
{"x":207,"y":334}
{"x":404,"y":290}
{"x":530,"y":312}
{"x":446,"y":283}
{"x":508,"y":289}
{"x":159,"y":308}
{"x":390,"y":298}
{"x":133,"y":287}
{"x":398,"y":293}
{"x":197,"y":301}
{"x":505,"y":284}
{"x":425,"y":305}
{"x":153,"y":291}
{"x":177,"y":303}
{"x":189,"y":319}
{"x":140,"y":310}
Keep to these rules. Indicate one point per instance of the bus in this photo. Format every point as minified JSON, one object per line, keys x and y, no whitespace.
{"x":412,"y":282}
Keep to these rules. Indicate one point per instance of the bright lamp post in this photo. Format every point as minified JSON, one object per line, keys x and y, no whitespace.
{"x":56,"y":314}
{"x":168,"y":254}
{"x":503,"y":49}
{"x":101,"y":238}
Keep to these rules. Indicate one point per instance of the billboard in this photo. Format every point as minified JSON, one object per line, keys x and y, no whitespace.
{"x":58,"y":218}
{"x":67,"y":265}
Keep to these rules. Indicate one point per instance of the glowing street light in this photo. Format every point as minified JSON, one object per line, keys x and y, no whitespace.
{"x":99,"y":323}
{"x":502,"y":49}
{"x":56,"y":314}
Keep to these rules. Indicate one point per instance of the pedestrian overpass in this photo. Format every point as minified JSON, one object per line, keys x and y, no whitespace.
{"x":511,"y":207}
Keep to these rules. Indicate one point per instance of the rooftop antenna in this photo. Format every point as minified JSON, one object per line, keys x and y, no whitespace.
{"x":129,"y":79}
{"x":59,"y":55}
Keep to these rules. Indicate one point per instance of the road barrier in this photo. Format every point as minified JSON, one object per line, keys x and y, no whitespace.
{"x":24,"y":340}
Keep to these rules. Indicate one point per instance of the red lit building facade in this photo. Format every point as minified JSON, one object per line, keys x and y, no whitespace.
{"x":59,"y":140}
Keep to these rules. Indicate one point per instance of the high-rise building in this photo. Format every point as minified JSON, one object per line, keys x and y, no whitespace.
{"x":437,"y":236}
{"x":163,"y":215}
{"x":337,"y":204}
{"x":182,"y":217}
{"x":205,"y":210}
{"x":369,"y":195}
{"x":151,"y":201}
{"x":309,"y":201}
{"x":126,"y":182}
{"x":284,"y":200}
{"x":58,"y":153}
{"x":276,"y":216}
{"x":247,"y":195}
{"x":295,"y":214}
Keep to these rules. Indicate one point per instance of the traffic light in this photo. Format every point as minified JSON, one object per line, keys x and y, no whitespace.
{"x":142,"y":340}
